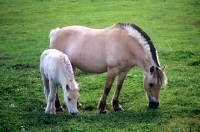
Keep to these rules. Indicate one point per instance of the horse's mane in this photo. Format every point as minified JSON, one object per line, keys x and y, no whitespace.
{"x":145,"y":41}
{"x":69,"y":72}
{"x":161,"y":79}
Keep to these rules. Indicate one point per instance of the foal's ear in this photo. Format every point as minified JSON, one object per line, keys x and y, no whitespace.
{"x":67,"y":87}
{"x":163,"y":68}
{"x":152,"y":69}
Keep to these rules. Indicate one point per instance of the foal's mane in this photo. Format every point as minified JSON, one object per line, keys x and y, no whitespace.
{"x":142,"y":37}
{"x":69,"y":72}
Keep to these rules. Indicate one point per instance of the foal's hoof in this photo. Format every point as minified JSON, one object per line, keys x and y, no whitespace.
{"x":104,"y":111}
{"x":60,"y":109}
{"x":118,"y":108}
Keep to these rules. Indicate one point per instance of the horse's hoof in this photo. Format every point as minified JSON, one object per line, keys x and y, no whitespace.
{"x":60,"y":109}
{"x":118,"y":109}
{"x":103,"y":111}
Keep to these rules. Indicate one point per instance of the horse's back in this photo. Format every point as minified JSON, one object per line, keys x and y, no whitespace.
{"x":92,"y":50}
{"x":79,"y":35}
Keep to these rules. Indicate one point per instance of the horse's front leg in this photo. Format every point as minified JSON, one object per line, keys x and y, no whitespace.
{"x":115,"y":99}
{"x":111,"y":74}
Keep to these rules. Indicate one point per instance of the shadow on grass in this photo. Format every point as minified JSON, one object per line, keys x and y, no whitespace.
{"x":87,"y":119}
{"x":80,"y":122}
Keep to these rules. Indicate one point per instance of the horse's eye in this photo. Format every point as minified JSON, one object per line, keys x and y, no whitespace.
{"x":151,"y":84}
{"x":69,"y":99}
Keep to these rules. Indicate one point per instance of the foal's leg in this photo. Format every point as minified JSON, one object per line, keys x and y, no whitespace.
{"x":115,"y":99}
{"x":53,"y":108}
{"x":46,"y":90}
{"x":51,"y":99}
{"x":111,"y":74}
{"x":46,"y":87}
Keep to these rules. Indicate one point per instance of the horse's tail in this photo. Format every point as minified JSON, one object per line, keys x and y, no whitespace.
{"x":69,"y":72}
{"x":53,"y":31}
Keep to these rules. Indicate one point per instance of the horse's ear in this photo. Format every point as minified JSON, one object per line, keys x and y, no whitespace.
{"x":163,"y":68}
{"x":67,"y":87}
{"x":152,"y":69}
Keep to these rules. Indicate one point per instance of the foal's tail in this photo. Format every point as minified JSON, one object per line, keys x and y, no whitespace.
{"x":53,"y":31}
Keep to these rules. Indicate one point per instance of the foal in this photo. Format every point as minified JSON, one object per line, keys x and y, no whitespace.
{"x":56,"y":69}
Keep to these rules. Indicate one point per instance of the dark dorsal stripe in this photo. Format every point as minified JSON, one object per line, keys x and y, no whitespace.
{"x":147,"y":38}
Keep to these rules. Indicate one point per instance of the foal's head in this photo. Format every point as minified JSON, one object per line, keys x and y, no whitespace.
{"x":153,"y":81}
{"x":71,"y":98}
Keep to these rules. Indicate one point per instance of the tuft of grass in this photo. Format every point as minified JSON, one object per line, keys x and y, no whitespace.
{"x":174,"y":27}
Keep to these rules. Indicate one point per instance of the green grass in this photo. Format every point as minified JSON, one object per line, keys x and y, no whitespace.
{"x":174,"y":27}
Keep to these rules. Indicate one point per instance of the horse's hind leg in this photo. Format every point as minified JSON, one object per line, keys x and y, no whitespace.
{"x":74,"y":69}
{"x":115,"y":99}
{"x":111,"y":74}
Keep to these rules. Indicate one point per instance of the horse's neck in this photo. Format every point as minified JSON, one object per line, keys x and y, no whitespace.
{"x":144,"y":65}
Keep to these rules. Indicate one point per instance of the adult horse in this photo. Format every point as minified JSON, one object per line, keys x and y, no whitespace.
{"x":115,"y":50}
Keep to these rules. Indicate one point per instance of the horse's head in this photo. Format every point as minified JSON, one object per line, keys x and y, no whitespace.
{"x":71,"y":99}
{"x":153,"y":81}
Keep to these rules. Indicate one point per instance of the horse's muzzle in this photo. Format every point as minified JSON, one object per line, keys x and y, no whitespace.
{"x":153,"y":104}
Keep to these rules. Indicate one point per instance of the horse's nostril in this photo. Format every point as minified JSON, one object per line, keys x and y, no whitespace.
{"x":153,"y":104}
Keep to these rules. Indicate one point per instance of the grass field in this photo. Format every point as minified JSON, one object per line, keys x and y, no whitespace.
{"x":174,"y":27}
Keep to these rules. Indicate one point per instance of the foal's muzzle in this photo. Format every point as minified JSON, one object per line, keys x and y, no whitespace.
{"x":73,"y":112}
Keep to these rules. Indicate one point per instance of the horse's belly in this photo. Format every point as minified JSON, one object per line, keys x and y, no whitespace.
{"x":91,"y":59}
{"x":90,"y":66}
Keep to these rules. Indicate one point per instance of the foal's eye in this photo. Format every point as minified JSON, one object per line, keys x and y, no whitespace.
{"x":69,"y":99}
{"x":151,"y":84}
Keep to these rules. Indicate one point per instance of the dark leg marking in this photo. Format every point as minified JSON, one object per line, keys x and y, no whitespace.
{"x":59,"y":108}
